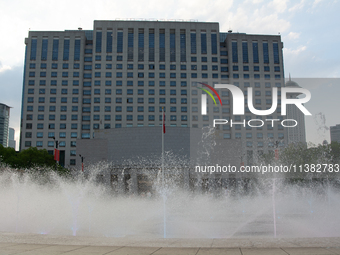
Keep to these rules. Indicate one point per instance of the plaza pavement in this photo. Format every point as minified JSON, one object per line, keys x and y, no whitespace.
{"x":34,"y":244}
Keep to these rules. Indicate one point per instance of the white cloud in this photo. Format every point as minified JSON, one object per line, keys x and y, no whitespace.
{"x":293,"y":52}
{"x":4,"y":68}
{"x":316,"y":2}
{"x":293,"y":35}
{"x":263,"y":19}
{"x":278,"y":5}
{"x":297,"y":6}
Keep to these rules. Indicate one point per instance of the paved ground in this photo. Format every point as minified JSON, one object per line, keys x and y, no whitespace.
{"x":32,"y":244}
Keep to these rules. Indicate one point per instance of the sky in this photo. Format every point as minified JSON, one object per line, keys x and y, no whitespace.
{"x":309,"y":30}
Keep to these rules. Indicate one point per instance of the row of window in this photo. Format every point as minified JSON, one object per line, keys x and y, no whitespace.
{"x":120,"y":66}
{"x":151,"y":83}
{"x":150,"y":75}
{"x":173,"y":92}
{"x":255,"y":49}
{"x":73,"y":152}
{"x":130,"y":45}
{"x":256,"y":76}
{"x":251,"y":144}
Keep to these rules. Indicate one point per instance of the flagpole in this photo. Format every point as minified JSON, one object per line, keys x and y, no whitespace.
{"x":163,"y":181}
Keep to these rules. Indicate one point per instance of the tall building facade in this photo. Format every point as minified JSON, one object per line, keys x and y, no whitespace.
{"x":4,"y":124}
{"x":121,"y":74}
{"x":335,"y":133}
{"x":296,"y":134}
{"x":11,"y":138}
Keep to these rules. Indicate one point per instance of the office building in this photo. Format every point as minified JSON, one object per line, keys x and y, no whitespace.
{"x":121,"y":74}
{"x":335,"y":133}
{"x":11,"y":139}
{"x":4,"y":124}
{"x":296,"y":134}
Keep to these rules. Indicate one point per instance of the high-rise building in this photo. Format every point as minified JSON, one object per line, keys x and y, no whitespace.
{"x":296,"y":134}
{"x":335,"y":133}
{"x":121,"y":74}
{"x":11,"y":138}
{"x":4,"y":124}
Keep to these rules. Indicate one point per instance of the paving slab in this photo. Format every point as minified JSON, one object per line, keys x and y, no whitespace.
{"x":219,"y":251}
{"x":35,"y":244}
{"x":308,"y":251}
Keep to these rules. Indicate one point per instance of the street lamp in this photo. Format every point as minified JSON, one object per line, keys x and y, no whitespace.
{"x":82,"y":162}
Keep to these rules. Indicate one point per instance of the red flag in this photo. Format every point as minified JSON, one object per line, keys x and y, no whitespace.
{"x":163,"y":121}
{"x":56,"y":155}
{"x":276,"y":154}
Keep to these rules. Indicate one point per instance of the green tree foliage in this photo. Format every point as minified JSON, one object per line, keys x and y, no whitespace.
{"x":28,"y":159}
{"x":301,"y":155}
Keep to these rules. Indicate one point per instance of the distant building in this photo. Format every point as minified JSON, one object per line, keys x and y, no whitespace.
{"x":4,"y":124}
{"x":11,"y":140}
{"x":295,"y":134}
{"x":121,"y":74}
{"x":335,"y":133}
{"x":135,"y":155}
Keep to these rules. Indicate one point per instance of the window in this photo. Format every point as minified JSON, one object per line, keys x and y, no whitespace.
{"x":161,"y":45}
{"x":276,"y":53}
{"x":193,"y":42}
{"x":265,"y":53}
{"x":226,"y":136}
{"x":224,"y":69}
{"x":33,"y":49}
{"x":234,"y":52}
{"x":255,"y":52}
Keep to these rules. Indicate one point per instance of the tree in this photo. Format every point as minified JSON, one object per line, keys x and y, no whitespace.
{"x":31,"y":158}
{"x":34,"y":157}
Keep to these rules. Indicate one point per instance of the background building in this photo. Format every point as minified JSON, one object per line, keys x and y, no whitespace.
{"x":135,"y":155}
{"x":295,"y":134}
{"x":11,"y":140}
{"x":4,"y":124}
{"x":335,"y":133}
{"x":121,"y":73}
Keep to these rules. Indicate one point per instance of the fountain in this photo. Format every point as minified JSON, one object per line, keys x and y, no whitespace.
{"x":55,"y":205}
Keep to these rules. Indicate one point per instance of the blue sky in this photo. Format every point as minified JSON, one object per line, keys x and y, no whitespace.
{"x":309,"y":30}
